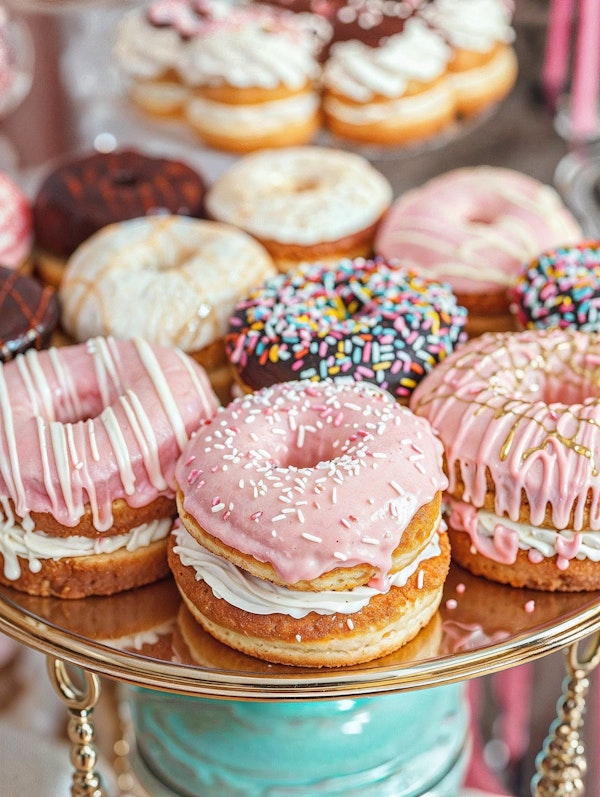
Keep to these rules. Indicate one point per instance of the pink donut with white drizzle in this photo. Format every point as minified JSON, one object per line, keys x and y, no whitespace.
{"x":16,"y":226}
{"x":519,"y":417}
{"x":474,"y":228}
{"x":89,"y":438}
{"x":327,"y":495}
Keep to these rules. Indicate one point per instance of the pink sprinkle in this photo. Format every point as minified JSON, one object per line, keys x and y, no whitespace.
{"x":216,"y":500}
{"x":338,"y":419}
{"x":256,"y":515}
{"x":451,"y":604}
{"x":530,"y":607}
{"x":226,"y":514}
{"x":193,"y":475}
{"x":460,"y":588}
{"x":190,"y":460}
{"x":215,"y":468}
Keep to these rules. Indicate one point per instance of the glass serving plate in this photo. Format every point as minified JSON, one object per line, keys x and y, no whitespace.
{"x":148,"y":637}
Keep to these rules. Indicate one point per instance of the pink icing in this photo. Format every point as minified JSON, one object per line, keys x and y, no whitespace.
{"x":16,"y":225}
{"x":312,"y":476}
{"x":92,"y":423}
{"x":475,"y":227}
{"x":494,"y":404}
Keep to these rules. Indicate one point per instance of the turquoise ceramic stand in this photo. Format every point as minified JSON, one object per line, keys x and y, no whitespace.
{"x":409,"y":744}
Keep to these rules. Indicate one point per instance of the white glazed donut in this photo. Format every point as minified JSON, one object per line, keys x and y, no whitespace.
{"x":303,"y":203}
{"x":169,"y":279}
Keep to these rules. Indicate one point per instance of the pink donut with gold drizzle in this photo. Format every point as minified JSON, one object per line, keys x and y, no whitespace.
{"x":519,"y":417}
{"x":89,"y":437}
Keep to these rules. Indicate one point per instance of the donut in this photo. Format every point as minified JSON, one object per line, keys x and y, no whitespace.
{"x":304,"y":204}
{"x":169,"y":279}
{"x":393,"y":94}
{"x":362,"y":320}
{"x":89,"y":438}
{"x":84,"y":194}
{"x":310,"y":524}
{"x":519,"y":418}
{"x":243,"y":77}
{"x":474,"y":227}
{"x":483,"y":65}
{"x":29,"y":314}
{"x":16,"y":226}
{"x":560,"y":288}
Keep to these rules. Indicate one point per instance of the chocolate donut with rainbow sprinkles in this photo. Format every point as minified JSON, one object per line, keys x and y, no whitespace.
{"x":89,"y":438}
{"x":361,"y":320}
{"x":519,"y":417}
{"x":311,"y":529}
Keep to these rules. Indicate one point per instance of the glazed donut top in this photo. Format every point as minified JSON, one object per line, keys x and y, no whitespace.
{"x":16,"y":224}
{"x":311,"y":477}
{"x":361,"y":72}
{"x":28,"y":313}
{"x":84,"y":195}
{"x":475,"y":227}
{"x":170,"y":279}
{"x":521,"y":409}
{"x":300,"y":195}
{"x":363,"y":320}
{"x":475,"y":25}
{"x":86,"y":425}
{"x":560,"y":288}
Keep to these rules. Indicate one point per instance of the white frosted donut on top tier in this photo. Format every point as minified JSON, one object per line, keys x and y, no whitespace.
{"x":300,"y":195}
{"x":474,"y":25}
{"x":170,"y":279}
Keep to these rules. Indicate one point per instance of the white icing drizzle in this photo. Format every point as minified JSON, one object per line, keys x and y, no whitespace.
{"x":255,"y":595}
{"x":413,"y":106}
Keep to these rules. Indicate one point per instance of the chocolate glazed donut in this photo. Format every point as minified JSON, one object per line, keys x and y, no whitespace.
{"x":84,"y":195}
{"x":28,"y":314}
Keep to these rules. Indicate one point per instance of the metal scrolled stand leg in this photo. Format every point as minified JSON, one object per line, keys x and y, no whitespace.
{"x":80,"y":702}
{"x":561,"y":765}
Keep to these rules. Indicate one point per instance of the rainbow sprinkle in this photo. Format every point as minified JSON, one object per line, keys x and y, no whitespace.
{"x":561,"y":289}
{"x":365,"y":320}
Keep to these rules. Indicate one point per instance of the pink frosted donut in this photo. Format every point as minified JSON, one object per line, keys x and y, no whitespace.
{"x":474,"y":228}
{"x":16,"y":226}
{"x":519,"y":417}
{"x":311,"y":500}
{"x":89,"y":438}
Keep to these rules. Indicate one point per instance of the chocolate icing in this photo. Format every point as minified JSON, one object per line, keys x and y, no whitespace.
{"x":84,"y":195}
{"x":28,"y":314}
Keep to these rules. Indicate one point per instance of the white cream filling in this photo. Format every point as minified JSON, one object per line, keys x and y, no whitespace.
{"x":260,"y":117}
{"x":540,"y":539}
{"x":251,"y":594}
{"x":415,"y":107}
{"x":137,"y":641}
{"x":17,"y":542}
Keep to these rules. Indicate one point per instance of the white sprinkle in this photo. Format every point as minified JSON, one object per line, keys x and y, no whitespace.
{"x":277,"y":517}
{"x":285,"y":499}
{"x":300,"y":515}
{"x":419,"y":467}
{"x":350,"y":624}
{"x":420,"y":579}
{"x":371,"y":500}
{"x":341,"y":556}
{"x":416,"y":457}
{"x":334,"y":495}
{"x":311,"y":537}
{"x":298,"y":638}
{"x":300,"y":438}
{"x":397,"y":488}
{"x":378,"y":455}
{"x":345,"y":523}
{"x":217,"y":507}
{"x":370,"y":541}
{"x":241,"y":484}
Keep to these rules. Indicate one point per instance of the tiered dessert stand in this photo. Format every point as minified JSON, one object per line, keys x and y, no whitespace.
{"x":481,"y":628}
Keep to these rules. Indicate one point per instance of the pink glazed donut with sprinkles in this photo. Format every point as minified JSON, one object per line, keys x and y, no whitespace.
{"x":519,"y":417}
{"x":311,"y":525}
{"x":365,"y":320}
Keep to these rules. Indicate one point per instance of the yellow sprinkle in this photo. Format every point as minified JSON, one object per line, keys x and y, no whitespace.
{"x":382,"y":366}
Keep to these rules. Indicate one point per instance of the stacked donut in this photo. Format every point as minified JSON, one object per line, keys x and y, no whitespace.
{"x":310,"y":524}
{"x":393,"y":72}
{"x":89,"y":439}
